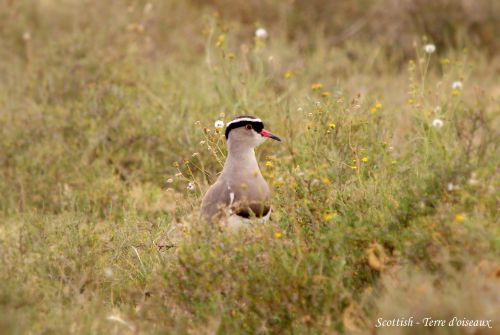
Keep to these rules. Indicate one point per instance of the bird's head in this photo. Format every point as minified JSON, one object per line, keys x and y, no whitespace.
{"x":247,"y":131}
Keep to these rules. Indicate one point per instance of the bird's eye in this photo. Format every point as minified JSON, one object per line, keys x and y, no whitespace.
{"x":248,"y":126}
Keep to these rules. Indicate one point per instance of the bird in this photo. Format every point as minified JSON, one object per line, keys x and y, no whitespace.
{"x":240,"y":193}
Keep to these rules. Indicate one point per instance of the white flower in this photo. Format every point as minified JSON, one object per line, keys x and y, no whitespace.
{"x":473,"y":179}
{"x":26,"y":36}
{"x":190,"y":186}
{"x":170,"y":180}
{"x":437,"y":123}
{"x":261,"y":33}
{"x":457,"y":85}
{"x":429,"y":48}
{"x":108,"y":272}
{"x":219,"y":124}
{"x":300,"y":109}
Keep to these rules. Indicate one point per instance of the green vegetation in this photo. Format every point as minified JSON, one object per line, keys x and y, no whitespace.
{"x":385,"y":188}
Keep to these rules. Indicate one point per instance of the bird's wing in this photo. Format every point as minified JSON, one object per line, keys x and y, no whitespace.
{"x":217,"y":197}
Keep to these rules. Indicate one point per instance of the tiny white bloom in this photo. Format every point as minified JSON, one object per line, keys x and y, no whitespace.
{"x":457,"y":85}
{"x":318,"y":103}
{"x":26,"y":36}
{"x":108,"y":272}
{"x":170,"y":180}
{"x":195,"y":154}
{"x":310,"y":114}
{"x":300,"y":109}
{"x":261,"y":33}
{"x":190,"y":186}
{"x":451,"y":187}
{"x":202,"y":142}
{"x":473,"y":179}
{"x":437,"y":123}
{"x":219,"y":124}
{"x":429,"y":48}
{"x":178,"y":174}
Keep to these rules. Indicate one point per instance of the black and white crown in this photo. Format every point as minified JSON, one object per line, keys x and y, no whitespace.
{"x":242,"y":121}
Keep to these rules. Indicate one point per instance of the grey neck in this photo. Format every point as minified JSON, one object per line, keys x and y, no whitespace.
{"x":240,"y":161}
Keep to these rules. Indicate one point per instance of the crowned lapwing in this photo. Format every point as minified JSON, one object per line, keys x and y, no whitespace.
{"x":240,"y":193}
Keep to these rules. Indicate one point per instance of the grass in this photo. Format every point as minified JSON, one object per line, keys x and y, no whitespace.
{"x":107,"y":113}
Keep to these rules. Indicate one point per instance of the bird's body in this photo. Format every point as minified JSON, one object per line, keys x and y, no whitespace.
{"x":240,"y":193}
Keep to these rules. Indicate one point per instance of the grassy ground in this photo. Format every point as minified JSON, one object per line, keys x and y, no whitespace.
{"x":107,"y":113}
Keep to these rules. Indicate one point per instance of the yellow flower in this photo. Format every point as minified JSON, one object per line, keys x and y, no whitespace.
{"x":278,"y":183}
{"x":269,"y":164}
{"x":455,"y":92}
{"x":364,"y":159}
{"x":326,"y":181}
{"x":278,"y":234}
{"x":329,"y":216}
{"x":378,"y":105}
{"x":393,"y":162}
{"x":332,"y":125}
{"x":445,"y":61}
{"x":220,"y":40}
{"x":459,"y":218}
{"x":230,"y":56}
{"x":410,"y":101}
{"x":325,"y":94}
{"x":354,"y":167}
{"x":316,"y":86}
{"x":373,"y":110}
{"x":288,"y":74}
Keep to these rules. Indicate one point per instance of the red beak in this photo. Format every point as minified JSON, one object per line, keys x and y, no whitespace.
{"x":266,"y":133}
